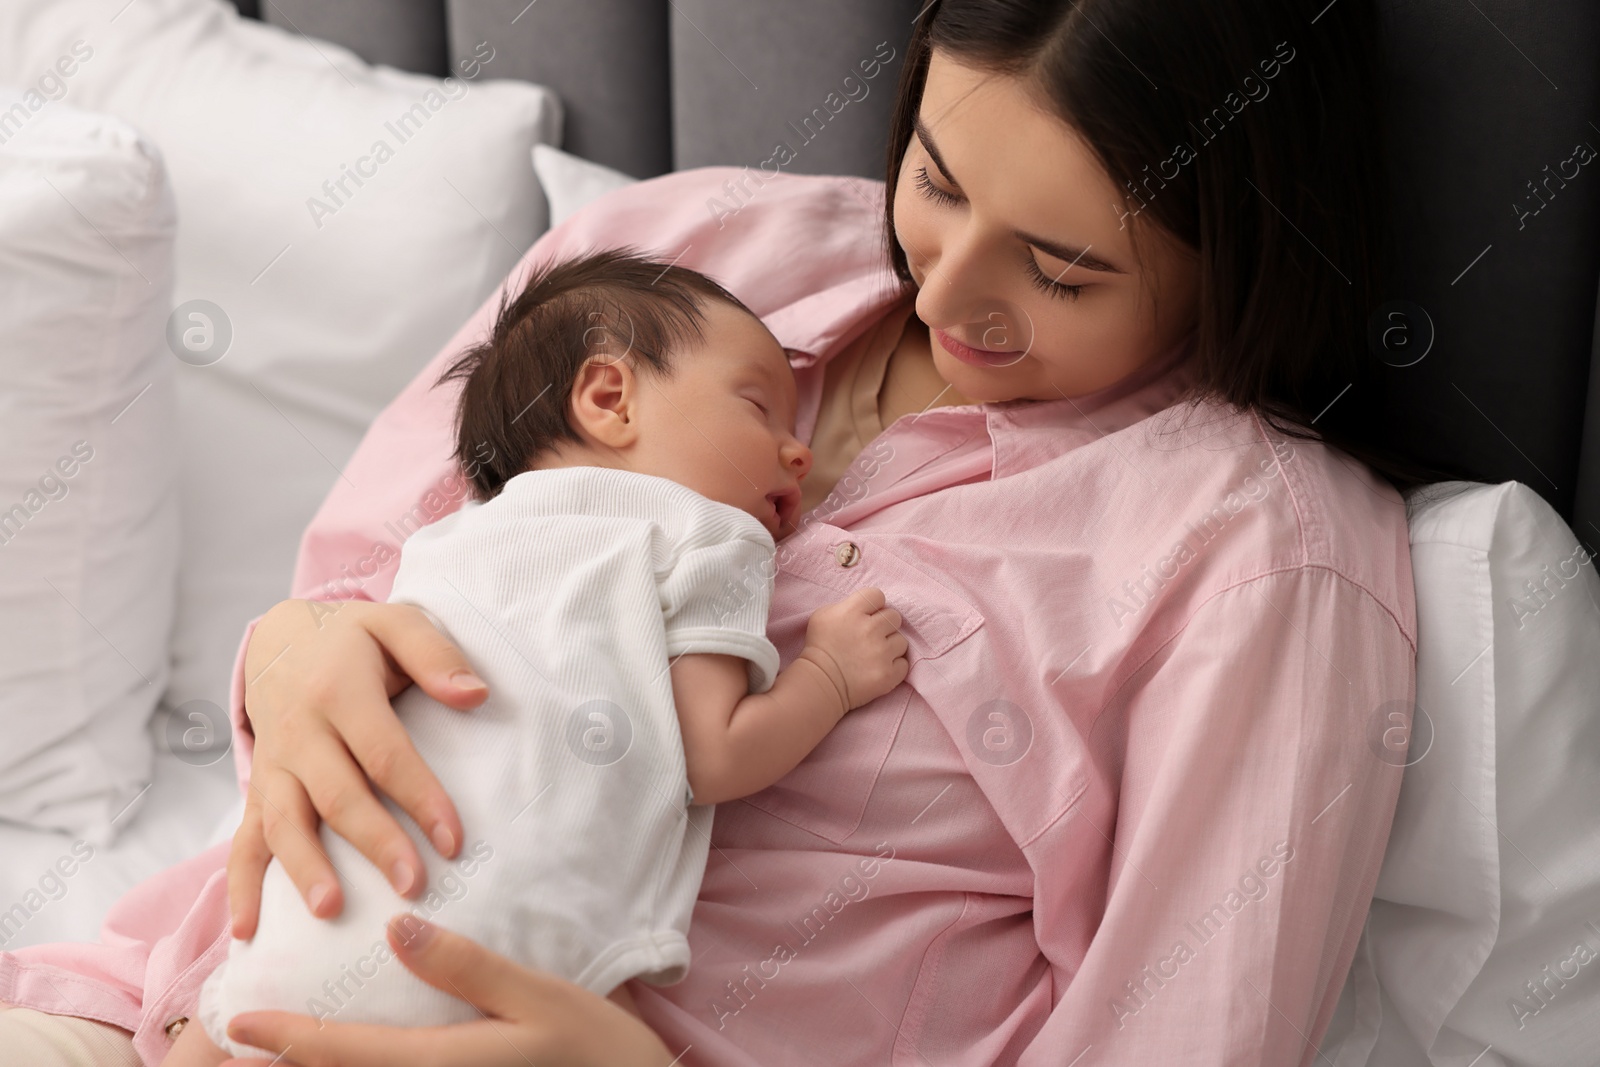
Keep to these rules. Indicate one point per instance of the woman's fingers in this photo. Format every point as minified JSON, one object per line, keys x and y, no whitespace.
{"x":463,"y":968}
{"x":247,"y":863}
{"x":319,"y":706}
{"x":412,"y":648}
{"x":343,"y":797}
{"x":557,"y":1023}
{"x":528,"y":1017}
{"x":307,"y":1043}
{"x":322,"y":676}
{"x":290,"y":826}
{"x":426,"y":656}
{"x":386,"y":753}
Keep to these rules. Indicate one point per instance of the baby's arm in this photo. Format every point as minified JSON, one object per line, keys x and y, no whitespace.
{"x":736,"y":742}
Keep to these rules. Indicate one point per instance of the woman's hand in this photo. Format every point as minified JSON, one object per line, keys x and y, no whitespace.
{"x":528,"y":1017}
{"x":318,"y":678}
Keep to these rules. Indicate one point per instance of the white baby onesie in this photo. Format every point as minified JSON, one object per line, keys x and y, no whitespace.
{"x":570,"y":592}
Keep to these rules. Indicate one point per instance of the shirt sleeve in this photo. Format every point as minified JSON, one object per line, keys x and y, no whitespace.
{"x":1257,"y":775}
{"x":716,"y":598}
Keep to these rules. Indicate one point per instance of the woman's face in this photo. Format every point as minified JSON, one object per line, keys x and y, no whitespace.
{"x":1018,"y":242}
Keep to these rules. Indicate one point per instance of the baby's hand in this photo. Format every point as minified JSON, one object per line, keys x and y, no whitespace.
{"x":858,"y":642}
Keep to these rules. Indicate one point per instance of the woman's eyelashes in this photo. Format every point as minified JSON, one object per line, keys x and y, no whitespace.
{"x":932,"y":191}
{"x":1040,"y":281}
{"x":1050,"y":285}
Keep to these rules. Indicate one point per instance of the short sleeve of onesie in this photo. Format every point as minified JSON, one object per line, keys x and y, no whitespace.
{"x":715,"y":599}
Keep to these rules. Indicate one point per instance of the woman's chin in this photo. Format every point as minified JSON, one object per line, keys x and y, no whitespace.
{"x":980,"y":385}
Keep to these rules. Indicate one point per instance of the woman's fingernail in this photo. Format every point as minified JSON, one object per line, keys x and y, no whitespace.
{"x":401,"y":875}
{"x":319,"y":895}
{"x":416,"y":932}
{"x":466,"y":680}
{"x":443,"y":839}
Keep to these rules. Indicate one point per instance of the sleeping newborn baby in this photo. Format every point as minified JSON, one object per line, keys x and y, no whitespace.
{"x":628,"y":428}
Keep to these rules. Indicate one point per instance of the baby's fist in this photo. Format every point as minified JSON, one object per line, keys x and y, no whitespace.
{"x":859,"y":643}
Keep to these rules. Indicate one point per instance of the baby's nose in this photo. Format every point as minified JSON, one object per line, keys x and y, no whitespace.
{"x":800,"y":458}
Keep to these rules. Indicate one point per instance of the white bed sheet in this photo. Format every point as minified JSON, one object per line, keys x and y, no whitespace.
{"x":186,"y":810}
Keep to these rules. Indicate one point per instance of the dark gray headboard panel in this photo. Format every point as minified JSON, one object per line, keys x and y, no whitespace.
{"x":817,"y":77}
{"x":658,"y":86}
{"x":409,"y":34}
{"x":1490,"y":99}
{"x":1486,"y":96}
{"x":1586,"y":511}
{"x":651,"y":86}
{"x":608,"y":60}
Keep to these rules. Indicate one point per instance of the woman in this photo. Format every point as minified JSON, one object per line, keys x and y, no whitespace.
{"x":1125,"y":808}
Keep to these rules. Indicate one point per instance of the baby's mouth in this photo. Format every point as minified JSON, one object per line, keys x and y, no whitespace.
{"x":785,"y":505}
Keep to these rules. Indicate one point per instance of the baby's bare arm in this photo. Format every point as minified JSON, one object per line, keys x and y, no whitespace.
{"x":737,"y":743}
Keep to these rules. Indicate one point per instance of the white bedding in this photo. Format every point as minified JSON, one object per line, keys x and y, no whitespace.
{"x":187,"y":809}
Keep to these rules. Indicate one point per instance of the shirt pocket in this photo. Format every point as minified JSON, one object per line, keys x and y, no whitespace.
{"x":827,"y":793}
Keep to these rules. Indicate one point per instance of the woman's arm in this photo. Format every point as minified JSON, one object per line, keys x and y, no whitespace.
{"x":317,"y":681}
{"x":1245,"y":834}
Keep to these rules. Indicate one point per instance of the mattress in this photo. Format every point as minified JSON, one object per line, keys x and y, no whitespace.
{"x":186,"y":810}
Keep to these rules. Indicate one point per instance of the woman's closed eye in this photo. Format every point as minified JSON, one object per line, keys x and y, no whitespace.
{"x":1049,"y":285}
{"x":1036,"y":275}
{"x":932,"y":191}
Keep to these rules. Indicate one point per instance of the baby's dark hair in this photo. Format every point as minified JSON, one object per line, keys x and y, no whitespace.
{"x":515,"y":385}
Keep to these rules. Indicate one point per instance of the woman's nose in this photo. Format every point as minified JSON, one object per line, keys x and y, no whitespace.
{"x":958,"y":286}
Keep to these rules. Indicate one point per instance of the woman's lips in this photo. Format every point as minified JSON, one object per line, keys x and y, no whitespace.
{"x":978,"y":357}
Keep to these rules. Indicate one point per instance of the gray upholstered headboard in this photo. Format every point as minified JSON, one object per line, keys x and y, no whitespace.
{"x":1490,"y":99}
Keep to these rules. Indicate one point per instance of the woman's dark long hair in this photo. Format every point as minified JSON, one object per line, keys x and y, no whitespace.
{"x":1282,"y":199}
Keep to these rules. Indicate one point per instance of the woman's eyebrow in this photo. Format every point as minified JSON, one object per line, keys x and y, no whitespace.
{"x":1078,"y":257}
{"x":927,"y":142}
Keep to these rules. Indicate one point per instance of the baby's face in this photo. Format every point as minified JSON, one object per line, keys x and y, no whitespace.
{"x":723,"y":425}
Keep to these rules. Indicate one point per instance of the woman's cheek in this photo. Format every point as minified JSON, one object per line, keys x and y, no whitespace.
{"x":914,"y":230}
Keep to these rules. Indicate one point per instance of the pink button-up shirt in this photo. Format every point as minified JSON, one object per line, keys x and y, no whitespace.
{"x":1128,"y":806}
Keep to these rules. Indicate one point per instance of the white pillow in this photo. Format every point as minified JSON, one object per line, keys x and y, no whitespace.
{"x":569,"y":181}
{"x":1485,"y":929}
{"x":88,"y":489}
{"x":339,"y":267}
